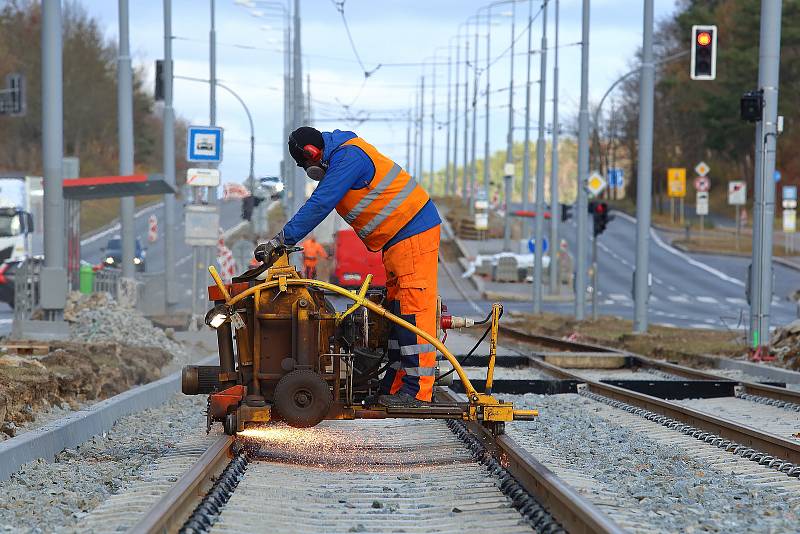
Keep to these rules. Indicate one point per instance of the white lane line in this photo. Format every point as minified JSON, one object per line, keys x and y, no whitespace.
{"x":707,"y":300}
{"x":668,"y":325}
{"x":183,"y":260}
{"x":683,"y":299}
{"x":116,"y":227}
{"x":6,"y":321}
{"x":618,"y":296}
{"x":737,"y":300}
{"x":672,"y":250}
{"x":701,"y":326}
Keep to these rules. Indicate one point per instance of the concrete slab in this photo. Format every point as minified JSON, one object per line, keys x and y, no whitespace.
{"x":587,"y":360}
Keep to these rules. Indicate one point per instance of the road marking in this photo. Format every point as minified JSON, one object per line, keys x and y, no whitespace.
{"x":683,"y":299}
{"x":708,"y":300}
{"x":701,"y":326}
{"x":737,"y":300}
{"x":183,"y":260}
{"x":116,"y":226}
{"x":6,"y":321}
{"x":691,"y":261}
{"x":618,"y":296}
{"x":668,"y":325}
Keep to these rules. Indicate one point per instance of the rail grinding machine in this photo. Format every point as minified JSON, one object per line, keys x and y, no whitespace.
{"x":298,"y":360}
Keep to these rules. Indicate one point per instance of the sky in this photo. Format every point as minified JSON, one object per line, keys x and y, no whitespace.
{"x":386,"y":33}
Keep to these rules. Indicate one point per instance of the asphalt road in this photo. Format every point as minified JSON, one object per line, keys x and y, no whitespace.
{"x":700,"y":291}
{"x":92,"y":250}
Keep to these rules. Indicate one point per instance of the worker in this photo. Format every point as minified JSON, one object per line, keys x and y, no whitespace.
{"x":391,"y":213}
{"x":312,"y":252}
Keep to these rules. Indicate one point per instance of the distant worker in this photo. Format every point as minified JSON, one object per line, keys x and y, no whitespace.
{"x":390,"y":212}
{"x":312,"y":252}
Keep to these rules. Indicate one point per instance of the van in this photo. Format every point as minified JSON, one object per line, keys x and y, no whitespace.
{"x":352,"y":262}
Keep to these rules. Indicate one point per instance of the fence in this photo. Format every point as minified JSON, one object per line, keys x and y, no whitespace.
{"x":106,"y":280}
{"x":26,"y":289}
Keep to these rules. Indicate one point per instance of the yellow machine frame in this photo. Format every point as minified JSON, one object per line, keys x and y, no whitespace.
{"x":489,"y":408}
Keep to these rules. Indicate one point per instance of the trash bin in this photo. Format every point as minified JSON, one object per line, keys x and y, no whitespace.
{"x":86,"y":278}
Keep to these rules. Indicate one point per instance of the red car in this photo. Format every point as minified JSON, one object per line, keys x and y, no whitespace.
{"x":352,"y":262}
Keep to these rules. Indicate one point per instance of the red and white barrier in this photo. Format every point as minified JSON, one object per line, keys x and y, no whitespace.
{"x":152,"y":232}
{"x":227,"y":265}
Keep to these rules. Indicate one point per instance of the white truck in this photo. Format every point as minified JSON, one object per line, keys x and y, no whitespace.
{"x":21,"y":209}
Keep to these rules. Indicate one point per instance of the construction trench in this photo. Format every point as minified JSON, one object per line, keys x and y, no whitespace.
{"x":621,"y":443}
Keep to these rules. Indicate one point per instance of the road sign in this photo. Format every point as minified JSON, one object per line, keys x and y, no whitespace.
{"x":508,"y":169}
{"x":789,"y":195}
{"x":676,"y":182}
{"x":701,"y":203}
{"x":12,"y":99}
{"x":202,"y":177}
{"x":595,"y":184}
{"x":789,"y":221}
{"x":201,"y":225}
{"x":702,"y":184}
{"x":532,"y":245}
{"x":204,"y":143}
{"x":702,"y":169}
{"x":616,"y":177}
{"x":776,"y":176}
{"x":481,"y":220}
{"x":737,"y":193}
{"x":152,"y":229}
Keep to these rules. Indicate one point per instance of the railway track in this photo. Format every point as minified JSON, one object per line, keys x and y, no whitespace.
{"x":349,"y":478}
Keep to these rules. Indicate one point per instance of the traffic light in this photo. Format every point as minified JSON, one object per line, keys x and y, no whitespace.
{"x":752,"y":105}
{"x":159,"y":92}
{"x":600,"y":217}
{"x":566,"y":212}
{"x":248,"y":204}
{"x":704,"y":53}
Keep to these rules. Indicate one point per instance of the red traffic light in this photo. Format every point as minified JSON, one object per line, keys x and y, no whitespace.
{"x":600,"y":208}
{"x":704,"y":38}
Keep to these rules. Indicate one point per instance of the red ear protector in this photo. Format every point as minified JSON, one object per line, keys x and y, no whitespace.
{"x":312,"y":153}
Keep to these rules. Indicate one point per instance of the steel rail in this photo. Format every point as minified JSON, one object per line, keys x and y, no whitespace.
{"x":747,"y":387}
{"x":742,"y":434}
{"x":576,"y":514}
{"x":170,"y":512}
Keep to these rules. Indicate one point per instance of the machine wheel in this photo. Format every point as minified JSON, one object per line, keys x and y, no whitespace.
{"x":230,"y":424}
{"x":302,"y":398}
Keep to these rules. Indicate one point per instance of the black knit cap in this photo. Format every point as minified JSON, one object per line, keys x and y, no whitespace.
{"x":305,"y":135}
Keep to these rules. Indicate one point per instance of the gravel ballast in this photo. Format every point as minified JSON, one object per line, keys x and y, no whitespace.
{"x":671,"y":488}
{"x":53,"y":497}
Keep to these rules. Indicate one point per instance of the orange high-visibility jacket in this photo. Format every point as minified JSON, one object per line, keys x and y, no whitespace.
{"x":392,"y":198}
{"x":312,"y":251}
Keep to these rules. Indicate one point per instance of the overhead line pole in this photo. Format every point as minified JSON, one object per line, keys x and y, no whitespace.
{"x":170,"y":286}
{"x":433,"y":124}
{"x":554,"y":189}
{"x":125,"y":126}
{"x":583,"y":171}
{"x":538,"y":269}
{"x":464,"y":177}
{"x":644,"y":183}
{"x":421,"y":164}
{"x":454,"y":184}
{"x":509,"y":178}
{"x":473,"y":165}
{"x":447,"y":127}
{"x":526,"y":149}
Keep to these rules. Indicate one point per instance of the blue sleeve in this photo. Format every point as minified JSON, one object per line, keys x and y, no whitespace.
{"x":347,"y":168}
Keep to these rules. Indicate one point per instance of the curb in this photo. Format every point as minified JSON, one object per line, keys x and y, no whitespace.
{"x":49,"y":440}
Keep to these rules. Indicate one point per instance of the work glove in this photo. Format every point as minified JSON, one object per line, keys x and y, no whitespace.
{"x":265,"y":250}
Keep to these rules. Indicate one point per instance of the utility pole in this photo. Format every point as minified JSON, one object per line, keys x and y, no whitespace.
{"x":554,"y":288}
{"x":454,"y":183}
{"x":415,"y":159}
{"x":287,"y":107}
{"x":433,"y":124}
{"x":526,"y":150}
{"x":54,"y":275}
{"x":538,"y":269}
{"x":760,"y":282}
{"x":583,"y":170}
{"x":420,"y":164}
{"x":125,"y":122}
{"x":212,"y":94}
{"x":448,"y":175}
{"x":170,"y":288}
{"x":408,"y":143}
{"x":486,"y":155}
{"x":644,"y":183}
{"x":473,"y":166}
{"x":509,"y":176}
{"x":299,"y":182}
{"x":464,"y":185}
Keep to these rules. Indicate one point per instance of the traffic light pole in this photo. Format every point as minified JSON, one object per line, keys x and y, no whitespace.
{"x":538,"y":279}
{"x":554,"y":289}
{"x":583,"y":172}
{"x":594,"y":278}
{"x":764,"y":205}
{"x":509,"y":177}
{"x":644,"y":185}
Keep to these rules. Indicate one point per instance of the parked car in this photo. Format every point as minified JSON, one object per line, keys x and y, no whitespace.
{"x":269,"y":187}
{"x":112,"y":254}
{"x":8,"y":270}
{"x":352,"y":262}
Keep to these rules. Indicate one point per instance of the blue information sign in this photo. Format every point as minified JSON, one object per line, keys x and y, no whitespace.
{"x":616,"y":177}
{"x":789,"y":192}
{"x":204,"y":144}
{"x":532,"y":245}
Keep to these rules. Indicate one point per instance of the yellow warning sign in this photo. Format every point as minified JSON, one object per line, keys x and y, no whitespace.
{"x":676,"y":182}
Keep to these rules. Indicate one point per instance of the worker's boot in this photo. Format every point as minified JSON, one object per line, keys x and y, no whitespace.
{"x":400,"y":400}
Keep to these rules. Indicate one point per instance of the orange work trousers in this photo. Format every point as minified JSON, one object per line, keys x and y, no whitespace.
{"x":411,"y":278}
